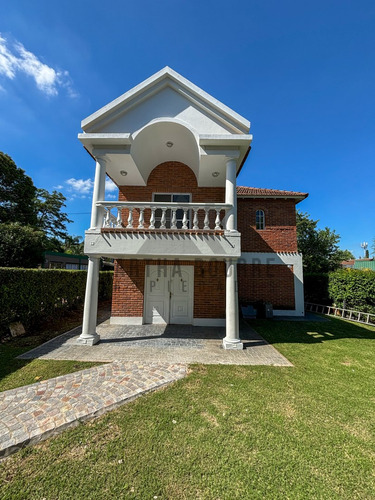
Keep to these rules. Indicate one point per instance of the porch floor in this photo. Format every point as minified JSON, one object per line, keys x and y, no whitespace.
{"x":161,"y":344}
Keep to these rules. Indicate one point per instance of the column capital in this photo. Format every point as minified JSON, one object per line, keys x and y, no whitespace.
{"x":229,"y":159}
{"x":101,"y":158}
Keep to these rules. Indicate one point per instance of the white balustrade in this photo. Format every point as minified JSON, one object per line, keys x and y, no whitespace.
{"x":159,"y":216}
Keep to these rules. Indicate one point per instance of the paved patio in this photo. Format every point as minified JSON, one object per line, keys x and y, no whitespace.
{"x":162,"y":344}
{"x":140,"y":359}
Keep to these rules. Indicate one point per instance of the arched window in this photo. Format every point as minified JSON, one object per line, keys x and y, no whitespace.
{"x":260,"y":222}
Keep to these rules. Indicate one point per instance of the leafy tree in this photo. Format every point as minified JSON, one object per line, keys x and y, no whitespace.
{"x":321,"y":253}
{"x":21,"y":245}
{"x":50,"y":219}
{"x":17,"y":194}
{"x":31,"y":219}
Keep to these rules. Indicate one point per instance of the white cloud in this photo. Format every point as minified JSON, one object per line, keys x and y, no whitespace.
{"x":110,"y":186}
{"x":18,"y":59}
{"x":81,"y":187}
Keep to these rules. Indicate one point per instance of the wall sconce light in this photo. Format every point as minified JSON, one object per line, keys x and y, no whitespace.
{"x":215,"y":174}
{"x":169,"y":144}
{"x":123,"y":172}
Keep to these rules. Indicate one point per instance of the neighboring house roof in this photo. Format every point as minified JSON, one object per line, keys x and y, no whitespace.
{"x":364,"y":264}
{"x":347,"y":263}
{"x":252,"y":192}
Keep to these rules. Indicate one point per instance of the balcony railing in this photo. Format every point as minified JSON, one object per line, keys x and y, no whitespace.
{"x":155,"y":216}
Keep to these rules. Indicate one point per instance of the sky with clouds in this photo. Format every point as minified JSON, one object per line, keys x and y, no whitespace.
{"x":302,"y":73}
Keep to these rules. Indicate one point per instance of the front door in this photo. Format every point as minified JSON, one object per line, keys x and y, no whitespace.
{"x":169,"y":294}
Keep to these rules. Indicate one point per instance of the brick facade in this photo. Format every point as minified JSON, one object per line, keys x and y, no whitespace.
{"x":268,"y":283}
{"x":129,"y":279}
{"x":271,"y":283}
{"x":280,"y":233}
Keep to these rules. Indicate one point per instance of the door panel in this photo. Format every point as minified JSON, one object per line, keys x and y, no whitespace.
{"x":169,"y":294}
{"x":181,"y":308}
{"x":156,"y":295}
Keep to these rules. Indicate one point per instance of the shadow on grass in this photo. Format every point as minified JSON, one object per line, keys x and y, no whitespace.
{"x":313,"y":332}
{"x":8,"y":362}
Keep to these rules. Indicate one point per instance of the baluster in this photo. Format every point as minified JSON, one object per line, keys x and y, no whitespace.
{"x":152,"y":219}
{"x":217,"y":220}
{"x":195,"y":219}
{"x":174,"y":219}
{"x":107,"y":218}
{"x":163,"y":218}
{"x":130,"y":219}
{"x":206,"y":219}
{"x":119,"y":221}
{"x":184,"y":220}
{"x":141,"y":219}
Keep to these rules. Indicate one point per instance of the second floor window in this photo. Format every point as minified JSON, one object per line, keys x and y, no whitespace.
{"x":175,"y":198}
{"x":260,"y":222}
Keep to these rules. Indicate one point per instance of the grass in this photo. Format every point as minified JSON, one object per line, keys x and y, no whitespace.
{"x":228,"y":432}
{"x":16,"y":372}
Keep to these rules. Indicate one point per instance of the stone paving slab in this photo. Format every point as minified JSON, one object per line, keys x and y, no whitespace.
{"x":162,"y":344}
{"x":35,"y":412}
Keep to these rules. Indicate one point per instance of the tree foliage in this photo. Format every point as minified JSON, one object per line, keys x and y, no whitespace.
{"x":31,"y":219}
{"x":353,"y":289}
{"x":319,"y":247}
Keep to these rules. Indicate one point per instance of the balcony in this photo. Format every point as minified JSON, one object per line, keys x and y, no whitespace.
{"x":163,"y":230}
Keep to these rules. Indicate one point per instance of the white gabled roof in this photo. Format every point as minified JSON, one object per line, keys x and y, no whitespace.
{"x":179,"y":83}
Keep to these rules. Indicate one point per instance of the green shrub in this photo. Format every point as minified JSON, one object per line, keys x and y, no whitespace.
{"x":353,"y":289}
{"x":33,"y":295}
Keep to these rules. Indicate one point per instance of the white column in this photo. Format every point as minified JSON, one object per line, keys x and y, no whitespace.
{"x":90,"y":311}
{"x":231,"y":194}
{"x":232,"y":333}
{"x":98,"y":193}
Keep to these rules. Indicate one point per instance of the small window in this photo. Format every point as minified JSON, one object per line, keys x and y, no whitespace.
{"x":260,"y":222}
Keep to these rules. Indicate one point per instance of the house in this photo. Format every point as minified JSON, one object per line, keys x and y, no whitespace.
{"x":182,"y":231}
{"x":59,"y":260}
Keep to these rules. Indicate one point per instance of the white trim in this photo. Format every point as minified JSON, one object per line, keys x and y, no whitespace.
{"x":284,"y":258}
{"x":182,"y":86}
{"x":209,"y":322}
{"x":126,"y":320}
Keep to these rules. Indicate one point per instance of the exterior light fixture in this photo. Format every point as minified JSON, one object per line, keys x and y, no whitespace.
{"x":215,"y":174}
{"x":169,"y":144}
{"x":123,"y":172}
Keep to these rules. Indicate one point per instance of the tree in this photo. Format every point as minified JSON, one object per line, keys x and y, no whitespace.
{"x":21,"y":245}
{"x":50,"y":219}
{"x":17,"y":194}
{"x":31,"y":219}
{"x":321,"y":253}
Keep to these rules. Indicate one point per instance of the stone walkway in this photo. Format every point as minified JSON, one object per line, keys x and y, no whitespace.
{"x":163,"y":344}
{"x":35,"y":412}
{"x":141,"y":358}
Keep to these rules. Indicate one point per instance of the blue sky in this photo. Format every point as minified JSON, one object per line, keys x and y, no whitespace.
{"x":303,"y":73}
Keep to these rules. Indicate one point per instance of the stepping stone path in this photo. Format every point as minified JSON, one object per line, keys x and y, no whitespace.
{"x":35,"y":412}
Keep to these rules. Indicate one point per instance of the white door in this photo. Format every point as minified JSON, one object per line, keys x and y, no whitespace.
{"x":157,"y":295}
{"x":169,"y":294}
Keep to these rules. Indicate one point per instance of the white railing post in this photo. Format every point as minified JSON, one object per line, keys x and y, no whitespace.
{"x":217,"y":220}
{"x":118,"y":220}
{"x":185,"y":220}
{"x":152,"y":219}
{"x":174,"y":219}
{"x":206,"y":220}
{"x":141,"y":219}
{"x":163,"y":218}
{"x":195,"y":219}
{"x":130,"y":219}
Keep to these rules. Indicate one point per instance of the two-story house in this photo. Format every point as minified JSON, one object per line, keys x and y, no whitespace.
{"x":189,"y":244}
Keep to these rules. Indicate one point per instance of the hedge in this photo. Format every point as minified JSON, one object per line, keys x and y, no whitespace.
{"x":353,"y":289}
{"x":33,"y":295}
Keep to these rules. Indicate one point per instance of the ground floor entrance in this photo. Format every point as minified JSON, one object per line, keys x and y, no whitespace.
{"x":169,"y":294}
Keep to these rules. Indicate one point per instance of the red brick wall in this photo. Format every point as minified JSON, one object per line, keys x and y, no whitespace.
{"x":209,"y":287}
{"x":170,"y":177}
{"x":279,"y":235}
{"x":270,"y":283}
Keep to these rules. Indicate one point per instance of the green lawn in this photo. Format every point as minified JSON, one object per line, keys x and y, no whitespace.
{"x":228,"y":432}
{"x":16,"y":372}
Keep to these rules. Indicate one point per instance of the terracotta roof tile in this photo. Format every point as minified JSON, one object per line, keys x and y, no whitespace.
{"x":252,"y":191}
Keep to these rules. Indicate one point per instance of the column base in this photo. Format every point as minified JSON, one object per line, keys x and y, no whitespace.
{"x":232,"y":344}
{"x":91,"y":340}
